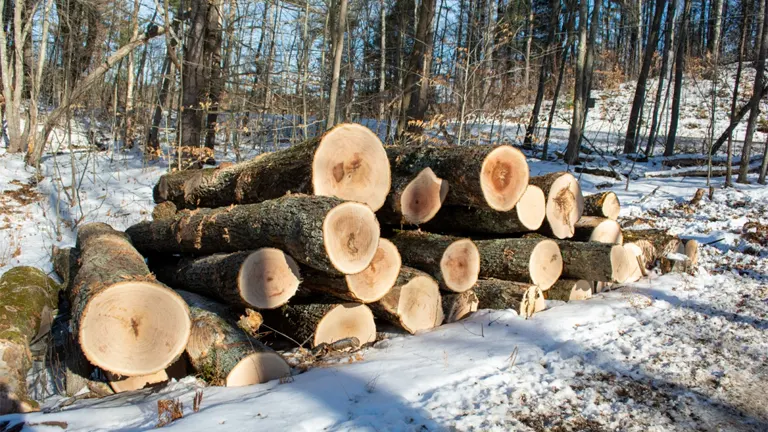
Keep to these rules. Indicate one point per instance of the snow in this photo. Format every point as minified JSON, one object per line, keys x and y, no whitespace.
{"x":671,"y":352}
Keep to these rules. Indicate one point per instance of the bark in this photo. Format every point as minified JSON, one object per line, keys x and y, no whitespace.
{"x":451,"y":261}
{"x":754,"y":101}
{"x":535,"y":261}
{"x":523,"y":298}
{"x":630,"y":141}
{"x":171,"y":186}
{"x":110,"y":263}
{"x":455,"y":220}
{"x":213,"y":39}
{"x":457,"y":306}
{"x":745,"y":24}
{"x":759,"y":83}
{"x":715,"y":26}
{"x":338,"y":45}
{"x":577,"y":120}
{"x":669,"y":147}
{"x":662,"y":242}
{"x":462,"y":168}
{"x":594,"y":228}
{"x":601,"y":204}
{"x":593,"y":261}
{"x":669,"y":43}
{"x":293,"y":223}
{"x":195,"y":74}
{"x":217,"y":347}
{"x":164,"y":210}
{"x":544,"y":71}
{"x":320,"y":323}
{"x":569,"y":289}
{"x":414,"y":303}
{"x":26,"y":292}
{"x":129,"y":92}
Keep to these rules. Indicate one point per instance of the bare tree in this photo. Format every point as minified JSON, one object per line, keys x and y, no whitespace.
{"x":338,"y":51}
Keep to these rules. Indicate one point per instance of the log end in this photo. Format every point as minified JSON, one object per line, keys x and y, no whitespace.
{"x":346,"y":321}
{"x":692,"y":252}
{"x":604,"y":230}
{"x":621,"y":266}
{"x":134,"y":328}
{"x":268,"y":278}
{"x":565,"y":203}
{"x":533,"y":301}
{"x":420,"y":306}
{"x":120,"y":384}
{"x":257,"y":368}
{"x":531,"y":209}
{"x":504,"y":177}
{"x":611,"y":206}
{"x":423,"y":197}
{"x":460,"y":265}
{"x":377,"y":279}
{"x":546,"y":264}
{"x":351,"y":236}
{"x":350,"y":163}
{"x":635,"y":261}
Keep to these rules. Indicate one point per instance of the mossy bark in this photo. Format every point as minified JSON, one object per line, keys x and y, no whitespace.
{"x":508,"y":259}
{"x":423,"y":251}
{"x":214,"y":276}
{"x":457,"y":306}
{"x":216,"y":344}
{"x":502,"y":294}
{"x":293,"y":223}
{"x":458,"y":220}
{"x":24,"y":293}
{"x":587,"y":260}
{"x":593,"y":204}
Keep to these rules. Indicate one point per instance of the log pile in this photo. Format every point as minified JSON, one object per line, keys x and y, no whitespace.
{"x":312,"y":245}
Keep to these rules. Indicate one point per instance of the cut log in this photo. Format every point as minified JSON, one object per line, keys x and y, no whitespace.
{"x":637,"y":264}
{"x":569,"y":289}
{"x":171,"y":186}
{"x":454,"y":262}
{"x":525,"y":299}
{"x":603,"y":204}
{"x":65,"y":263}
{"x":413,"y":200}
{"x":222,"y":353}
{"x":479,"y":176}
{"x":457,"y":306}
{"x":662,"y":242}
{"x":535,"y":261}
{"x":368,"y":286}
{"x":325,"y":322}
{"x":25,"y":292}
{"x":125,"y":322}
{"x":414,"y":303}
{"x":121,"y":385}
{"x":324,"y":233}
{"x":686,"y":260}
{"x":164,"y":210}
{"x":528,"y":215}
{"x":648,"y":252}
{"x":598,"y":229}
{"x":603,"y":286}
{"x":565,"y":202}
{"x":594,"y":261}
{"x":692,"y":252}
{"x":347,"y":162}
{"x":261,"y":279}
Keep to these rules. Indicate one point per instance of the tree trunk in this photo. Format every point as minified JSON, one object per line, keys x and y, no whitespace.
{"x":754,"y":101}
{"x":454,"y":262}
{"x":569,"y":289}
{"x":338,"y":46}
{"x":535,"y":261}
{"x":759,"y":83}
{"x":457,"y":306}
{"x":577,"y":120}
{"x":153,"y":138}
{"x":669,"y":43}
{"x":669,"y":147}
{"x":348,"y":162}
{"x":523,"y":298}
{"x":417,"y":79}
{"x":119,"y":311}
{"x":602,"y":204}
{"x":261,"y":279}
{"x":528,"y":215}
{"x":597,"y":229}
{"x":195,"y":74}
{"x":594,"y":261}
{"x":565,"y":202}
{"x":745,"y":25}
{"x":413,"y":303}
{"x":413,"y":200}
{"x":368,"y":286}
{"x":638,"y":102}
{"x":324,"y":233}
{"x":26,"y":293}
{"x":171,"y":186}
{"x":129,"y":114}
{"x":545,"y":69}
{"x":320,"y":323}
{"x":715,"y":26}
{"x":213,"y":39}
{"x":478,"y":176}
{"x":222,"y":353}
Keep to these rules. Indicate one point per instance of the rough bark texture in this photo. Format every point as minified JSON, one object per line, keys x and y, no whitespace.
{"x":461,"y":167}
{"x":457,"y":219}
{"x":424,"y":251}
{"x":589,"y":261}
{"x":510,"y":259}
{"x":457,"y":306}
{"x":170,"y":187}
{"x":569,"y":289}
{"x":298,"y":321}
{"x":292,"y":223}
{"x":216,"y":344}
{"x":388,"y":307}
{"x":65,"y":263}
{"x":662,"y":242}
{"x":315,"y":282}
{"x":501,"y":294}
{"x":24,"y":293}
{"x":593,"y":204}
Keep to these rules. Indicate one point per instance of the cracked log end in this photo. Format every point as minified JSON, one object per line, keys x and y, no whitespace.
{"x":378,"y":278}
{"x":134,"y":328}
{"x":504,"y":177}
{"x":531,"y":209}
{"x":350,"y":163}
{"x":460,"y":265}
{"x":346,"y":321}
{"x":565,"y":205}
{"x":351,"y":236}
{"x":268,"y":278}
{"x":546,"y":264}
{"x":423,"y":197}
